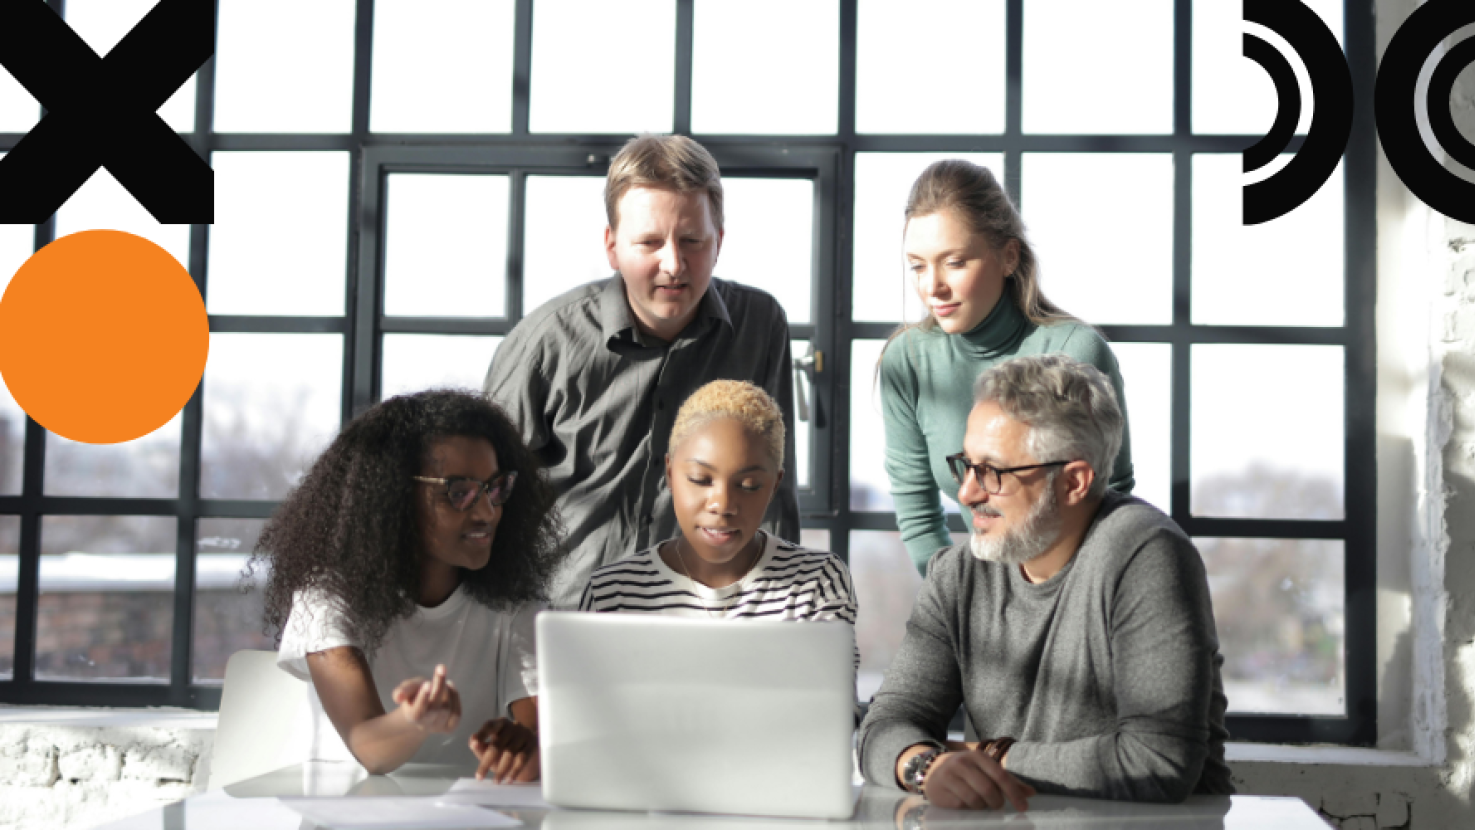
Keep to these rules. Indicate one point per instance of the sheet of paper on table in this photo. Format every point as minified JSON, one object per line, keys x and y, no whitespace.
{"x":487,"y":794}
{"x":393,"y":811}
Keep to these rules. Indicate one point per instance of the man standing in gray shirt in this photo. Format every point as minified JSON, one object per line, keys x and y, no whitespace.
{"x":595,"y":377}
{"x":1075,"y":625}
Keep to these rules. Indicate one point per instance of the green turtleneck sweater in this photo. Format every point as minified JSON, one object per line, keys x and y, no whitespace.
{"x":927,"y":392}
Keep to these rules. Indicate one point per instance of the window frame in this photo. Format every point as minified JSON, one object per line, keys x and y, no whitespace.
{"x":830,"y":160}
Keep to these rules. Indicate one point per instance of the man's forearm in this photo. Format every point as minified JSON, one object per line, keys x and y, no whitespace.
{"x":1124,"y":766}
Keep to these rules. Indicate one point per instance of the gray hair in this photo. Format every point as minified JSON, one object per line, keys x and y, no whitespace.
{"x":1070,"y":409}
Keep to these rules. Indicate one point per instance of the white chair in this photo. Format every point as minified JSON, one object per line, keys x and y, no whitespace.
{"x":265,"y":721}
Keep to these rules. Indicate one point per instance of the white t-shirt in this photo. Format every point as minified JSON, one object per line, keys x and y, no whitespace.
{"x":490,"y":655}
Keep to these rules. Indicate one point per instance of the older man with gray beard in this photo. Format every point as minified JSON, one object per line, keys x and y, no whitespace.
{"x":1075,"y":626}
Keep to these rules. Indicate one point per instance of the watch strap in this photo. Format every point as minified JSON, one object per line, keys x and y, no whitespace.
{"x":915,"y":768}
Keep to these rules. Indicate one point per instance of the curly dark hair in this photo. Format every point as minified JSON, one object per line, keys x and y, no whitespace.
{"x":351,"y":531}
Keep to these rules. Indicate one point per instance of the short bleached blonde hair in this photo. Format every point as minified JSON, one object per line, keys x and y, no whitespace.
{"x":739,"y":400}
{"x":669,"y":162}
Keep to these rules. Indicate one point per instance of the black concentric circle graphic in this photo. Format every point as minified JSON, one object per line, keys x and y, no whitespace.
{"x":1395,"y":106}
{"x":1331,"y":115}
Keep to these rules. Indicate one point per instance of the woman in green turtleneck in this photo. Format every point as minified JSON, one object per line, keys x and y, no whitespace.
{"x":976,"y":273}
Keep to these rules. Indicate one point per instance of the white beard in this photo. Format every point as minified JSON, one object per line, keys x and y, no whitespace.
{"x":1039,"y":530}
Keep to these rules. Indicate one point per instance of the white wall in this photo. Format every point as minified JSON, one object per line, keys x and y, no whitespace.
{"x":1426,"y":526}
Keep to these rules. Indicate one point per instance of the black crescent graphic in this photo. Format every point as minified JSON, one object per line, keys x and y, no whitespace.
{"x":1331,"y":115}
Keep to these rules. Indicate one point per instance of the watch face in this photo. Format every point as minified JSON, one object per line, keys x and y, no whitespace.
{"x":912,"y":772}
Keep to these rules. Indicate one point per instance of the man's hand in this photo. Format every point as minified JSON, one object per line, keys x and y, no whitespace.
{"x":506,"y":749}
{"x":431,"y":705}
{"x":973,"y":781}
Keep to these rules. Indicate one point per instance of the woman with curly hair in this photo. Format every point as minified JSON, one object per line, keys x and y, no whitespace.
{"x":407,"y":553}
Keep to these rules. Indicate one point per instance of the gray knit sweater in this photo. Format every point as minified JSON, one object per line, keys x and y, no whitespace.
{"x":1107,"y":674}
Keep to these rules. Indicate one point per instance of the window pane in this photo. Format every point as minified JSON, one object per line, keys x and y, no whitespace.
{"x":886,"y":584}
{"x":146,"y":467}
{"x":12,"y":442}
{"x":272,"y":402}
{"x":1147,"y":376}
{"x":106,"y":605}
{"x":228,"y":609}
{"x":431,"y":77}
{"x":1286,"y":272}
{"x":102,"y":23}
{"x":898,"y":92}
{"x":279,"y":244}
{"x":601,"y":67}
{"x":563,"y":236}
{"x":870,"y":487}
{"x":445,"y":246}
{"x":19,"y":112}
{"x":413,"y":362}
{"x":1281,"y":461}
{"x":769,"y":240}
{"x":803,"y":430}
{"x":766,"y":67}
{"x":102,"y":203}
{"x":814,"y":539}
{"x":9,"y":579}
{"x":1086,"y":265}
{"x":16,"y":242}
{"x":1231,"y":93}
{"x":882,"y":182}
{"x":1093,"y":67}
{"x":283,"y":66}
{"x":1278,"y":608}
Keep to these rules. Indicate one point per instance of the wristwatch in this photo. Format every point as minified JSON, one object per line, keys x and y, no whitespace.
{"x":914,"y":771}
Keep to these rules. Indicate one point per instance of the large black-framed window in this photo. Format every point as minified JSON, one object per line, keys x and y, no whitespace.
{"x":834,"y":330}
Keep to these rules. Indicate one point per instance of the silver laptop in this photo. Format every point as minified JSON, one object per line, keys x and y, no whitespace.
{"x":641,"y":712}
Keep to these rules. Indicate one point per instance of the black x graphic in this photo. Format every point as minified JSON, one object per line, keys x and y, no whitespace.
{"x":101,"y":112}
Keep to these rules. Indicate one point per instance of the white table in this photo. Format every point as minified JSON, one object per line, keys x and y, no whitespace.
{"x":253,"y":805}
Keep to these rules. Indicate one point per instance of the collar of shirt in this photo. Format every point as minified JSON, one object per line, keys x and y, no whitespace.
{"x":618,"y":322}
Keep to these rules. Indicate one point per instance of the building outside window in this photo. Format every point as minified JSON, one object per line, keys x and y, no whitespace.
{"x":394,"y":193}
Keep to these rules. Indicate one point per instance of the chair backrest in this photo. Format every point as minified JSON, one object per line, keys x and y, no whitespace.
{"x":265,"y":722}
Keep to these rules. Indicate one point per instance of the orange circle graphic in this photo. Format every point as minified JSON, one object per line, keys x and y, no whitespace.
{"x":103,"y":337}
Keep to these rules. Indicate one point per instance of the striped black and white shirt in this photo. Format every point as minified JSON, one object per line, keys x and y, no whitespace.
{"x":789,"y":582}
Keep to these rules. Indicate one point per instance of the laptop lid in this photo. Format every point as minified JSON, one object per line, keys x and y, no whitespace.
{"x":645,"y":712}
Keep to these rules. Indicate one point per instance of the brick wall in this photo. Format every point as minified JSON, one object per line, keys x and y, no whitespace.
{"x":56,"y":775}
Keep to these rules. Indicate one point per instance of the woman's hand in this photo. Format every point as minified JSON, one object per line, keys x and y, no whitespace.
{"x":506,"y":749}
{"x":431,"y":705}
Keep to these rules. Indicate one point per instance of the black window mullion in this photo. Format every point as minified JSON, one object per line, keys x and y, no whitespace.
{"x":181,"y":658}
{"x":522,"y":66}
{"x":1182,"y":335}
{"x":28,"y":580}
{"x":685,"y":17}
{"x":838,"y":288}
{"x":1013,"y":96}
{"x":361,"y":295}
{"x":365,"y":280}
{"x":68,"y":693}
{"x":33,"y":467}
{"x":516,"y":222}
{"x":1359,"y":399}
{"x":252,"y":324}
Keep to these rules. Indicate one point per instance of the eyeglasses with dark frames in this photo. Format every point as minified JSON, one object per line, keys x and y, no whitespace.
{"x":990,"y":478}
{"x":462,"y":491}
